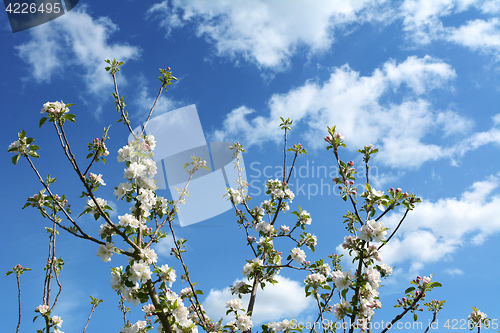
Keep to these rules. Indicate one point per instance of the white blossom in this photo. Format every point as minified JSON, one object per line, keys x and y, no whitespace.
{"x":105,"y":251}
{"x":298,"y":255}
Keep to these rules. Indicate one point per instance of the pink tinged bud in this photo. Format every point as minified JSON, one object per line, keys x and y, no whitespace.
{"x":398,"y":190}
{"x":340,"y":187}
{"x":405,"y":194}
{"x":392,"y":189}
{"x":351,"y":163}
{"x":168,"y":68}
{"x":351,"y":182}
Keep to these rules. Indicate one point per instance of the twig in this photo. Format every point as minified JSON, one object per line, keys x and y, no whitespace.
{"x":19,"y":299}
{"x":394,"y":232}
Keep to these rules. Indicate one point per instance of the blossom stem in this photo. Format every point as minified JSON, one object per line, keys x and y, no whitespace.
{"x":433,"y":320}
{"x":401,"y":315}
{"x":19,"y":301}
{"x":316,"y":295}
{"x":156,"y":302}
{"x":355,"y":298}
{"x":94,"y":305}
{"x":151,"y":111}
{"x":344,"y":179}
{"x":122,"y":109}
{"x":197,"y":307}
{"x":394,"y":232}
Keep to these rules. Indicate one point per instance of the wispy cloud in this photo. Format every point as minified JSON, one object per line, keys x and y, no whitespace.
{"x":454,"y":271}
{"x":75,"y":40}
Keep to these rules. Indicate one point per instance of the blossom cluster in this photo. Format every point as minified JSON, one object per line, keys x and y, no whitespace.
{"x":55,"y":108}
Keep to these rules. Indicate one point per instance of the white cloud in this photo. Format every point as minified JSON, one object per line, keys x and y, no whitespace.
{"x":477,"y":140}
{"x":282,"y":300}
{"x":266,"y":32}
{"x":73,"y":40}
{"x":478,"y":35}
{"x":422,"y":20}
{"x":163,"y":248}
{"x":454,"y":271}
{"x":453,"y":123}
{"x":434,"y":230}
{"x":354,"y":104}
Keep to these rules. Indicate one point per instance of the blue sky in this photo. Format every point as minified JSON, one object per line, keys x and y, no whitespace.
{"x":420,"y":80}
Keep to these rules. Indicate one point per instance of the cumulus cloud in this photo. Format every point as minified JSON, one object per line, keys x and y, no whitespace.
{"x":478,"y":35}
{"x":75,"y":40}
{"x":266,"y":32}
{"x":282,"y":300}
{"x":435,"y":230}
{"x":422,"y":20}
{"x":356,"y":104}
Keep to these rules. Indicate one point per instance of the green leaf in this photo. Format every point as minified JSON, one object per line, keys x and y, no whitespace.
{"x":9,"y":273}
{"x":42,"y":121}
{"x":344,"y":293}
{"x":415,"y":317}
{"x":409,"y":290}
{"x":69,"y":116}
{"x":199,"y":292}
{"x":15,"y":159}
